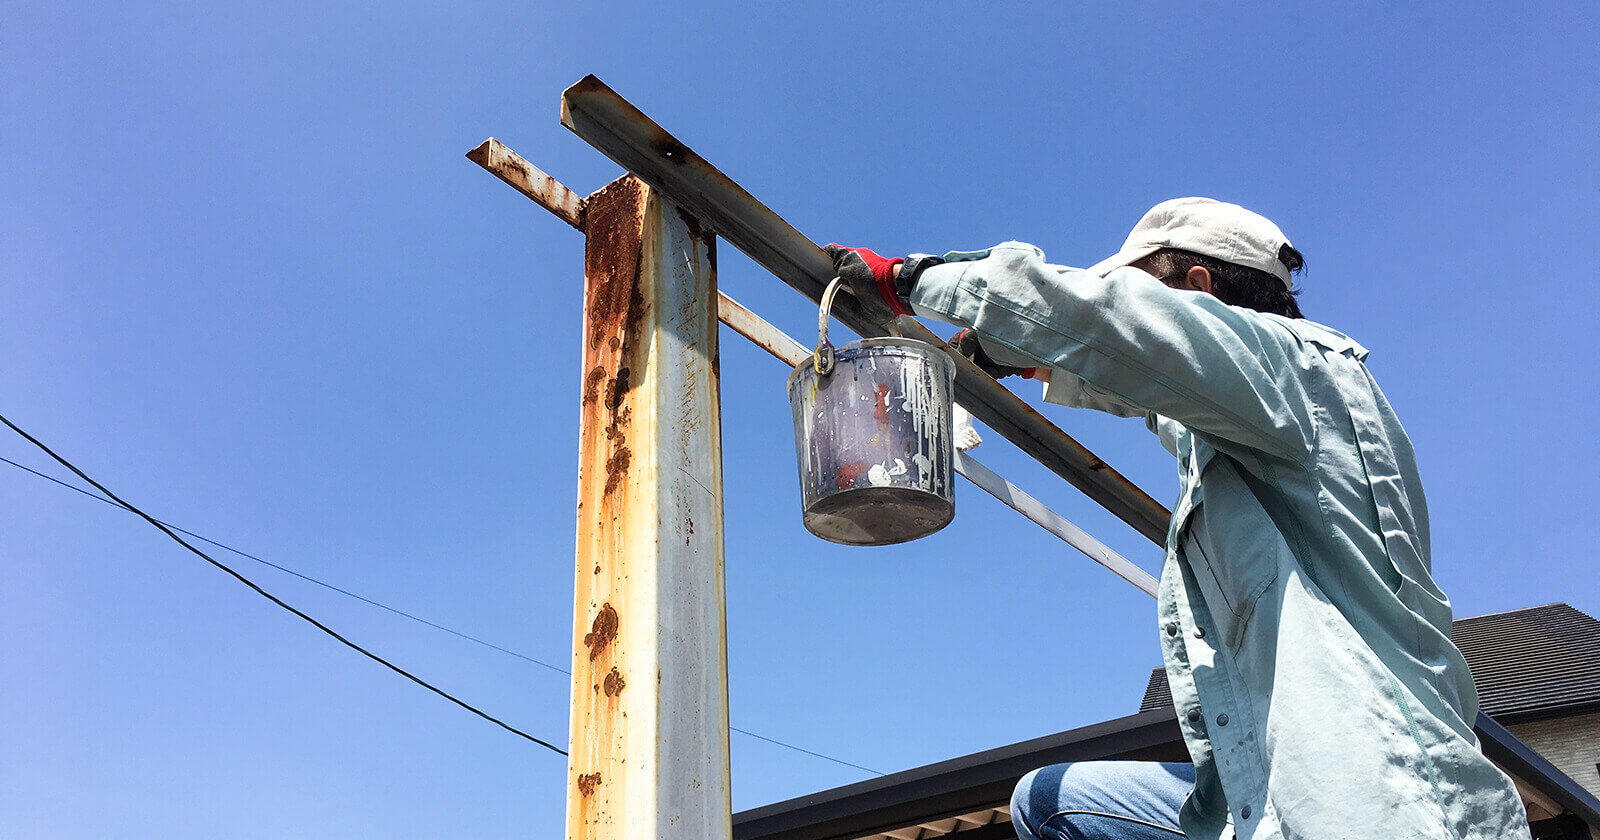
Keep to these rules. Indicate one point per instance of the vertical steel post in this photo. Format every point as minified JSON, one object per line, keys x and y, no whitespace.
{"x":649,"y":741}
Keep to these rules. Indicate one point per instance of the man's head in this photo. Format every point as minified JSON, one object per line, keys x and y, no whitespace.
{"x":1214,"y":247}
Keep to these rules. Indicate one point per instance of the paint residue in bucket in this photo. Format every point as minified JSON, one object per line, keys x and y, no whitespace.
{"x":928,"y":415}
{"x":849,"y":473}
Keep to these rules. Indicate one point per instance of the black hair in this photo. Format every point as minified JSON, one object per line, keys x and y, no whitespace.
{"x":1235,"y":284}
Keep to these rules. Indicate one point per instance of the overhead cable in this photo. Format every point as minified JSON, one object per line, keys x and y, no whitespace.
{"x":366,"y":600}
{"x":300,"y":575}
{"x":273,"y":598}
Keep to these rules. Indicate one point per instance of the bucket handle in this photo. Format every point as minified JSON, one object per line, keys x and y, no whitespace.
{"x":822,"y":357}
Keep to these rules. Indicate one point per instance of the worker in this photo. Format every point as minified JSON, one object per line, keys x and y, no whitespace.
{"x":1305,"y":641}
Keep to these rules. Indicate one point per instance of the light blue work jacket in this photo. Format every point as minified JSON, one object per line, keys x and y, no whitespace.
{"x":1307,"y":646}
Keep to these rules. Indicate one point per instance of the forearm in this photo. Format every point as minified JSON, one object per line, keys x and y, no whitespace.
{"x":1183,"y":355}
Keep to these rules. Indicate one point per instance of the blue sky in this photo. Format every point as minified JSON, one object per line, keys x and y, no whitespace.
{"x":251,"y":284}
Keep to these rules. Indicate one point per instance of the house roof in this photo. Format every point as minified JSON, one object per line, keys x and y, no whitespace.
{"x":958,"y":796}
{"x":1529,"y":664}
{"x":968,"y":796}
{"x":1540,"y":662}
{"x":1554,"y":648}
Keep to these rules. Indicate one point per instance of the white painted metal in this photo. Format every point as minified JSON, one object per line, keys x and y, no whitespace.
{"x":649,"y":748}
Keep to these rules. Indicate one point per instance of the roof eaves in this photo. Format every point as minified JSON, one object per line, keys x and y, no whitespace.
{"x":1508,"y":751}
{"x":957,"y":786}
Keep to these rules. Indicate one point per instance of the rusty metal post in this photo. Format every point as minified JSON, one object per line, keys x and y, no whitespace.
{"x":649,"y":741}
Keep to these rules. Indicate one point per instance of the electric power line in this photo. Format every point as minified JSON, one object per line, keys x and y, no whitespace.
{"x":363,"y":599}
{"x":273,"y":598}
{"x":804,"y":750}
{"x":304,"y":577}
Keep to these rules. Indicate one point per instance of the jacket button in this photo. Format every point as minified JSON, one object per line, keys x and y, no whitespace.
{"x":1222,"y":720}
{"x":1172,"y":629}
{"x":1245,"y":812}
{"x":1199,"y":632}
{"x":1194,"y":715}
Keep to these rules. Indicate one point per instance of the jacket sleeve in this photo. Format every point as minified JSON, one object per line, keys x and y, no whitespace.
{"x":1229,"y":373}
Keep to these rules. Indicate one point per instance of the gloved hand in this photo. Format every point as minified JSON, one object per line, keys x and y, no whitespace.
{"x":870,"y":278}
{"x":966,"y":343}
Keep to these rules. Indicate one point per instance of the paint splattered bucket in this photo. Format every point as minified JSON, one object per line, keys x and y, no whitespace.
{"x":873,"y":440}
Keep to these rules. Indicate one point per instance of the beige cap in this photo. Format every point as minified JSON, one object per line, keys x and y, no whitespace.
{"x":1208,"y":227}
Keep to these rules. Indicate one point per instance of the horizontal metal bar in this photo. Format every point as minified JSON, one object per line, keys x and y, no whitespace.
{"x":623,"y":133}
{"x":760,"y":332}
{"x":787,"y":350}
{"x":1019,"y":501}
{"x":529,"y":180}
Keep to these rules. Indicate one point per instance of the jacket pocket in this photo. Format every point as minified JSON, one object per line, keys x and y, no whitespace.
{"x":1232,"y":582}
{"x":1233,"y":548}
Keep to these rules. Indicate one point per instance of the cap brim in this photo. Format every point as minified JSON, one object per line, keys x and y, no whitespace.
{"x":1126,"y":256}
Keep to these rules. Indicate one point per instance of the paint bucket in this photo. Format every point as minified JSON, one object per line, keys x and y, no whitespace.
{"x":873,"y":439}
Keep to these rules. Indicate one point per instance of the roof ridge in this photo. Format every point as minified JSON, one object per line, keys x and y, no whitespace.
{"x":1522,"y":610}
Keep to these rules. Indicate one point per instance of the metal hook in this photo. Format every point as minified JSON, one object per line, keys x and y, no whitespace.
{"x":822,"y":357}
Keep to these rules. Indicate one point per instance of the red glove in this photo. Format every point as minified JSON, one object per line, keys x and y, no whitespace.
{"x":871,"y":279}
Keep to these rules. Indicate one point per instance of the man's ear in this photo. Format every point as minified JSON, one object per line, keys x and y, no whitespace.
{"x":1198,"y":279}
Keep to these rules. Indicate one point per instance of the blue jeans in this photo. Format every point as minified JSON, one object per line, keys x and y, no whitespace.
{"x":1102,"y":800}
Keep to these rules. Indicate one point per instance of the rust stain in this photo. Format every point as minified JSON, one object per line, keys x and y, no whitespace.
{"x":591,"y":384}
{"x":697,"y":231}
{"x":519,"y":166}
{"x":621,"y":415}
{"x":617,"y":469}
{"x":602,"y":631}
{"x":587,"y":783}
{"x":612,"y":258}
{"x":690,"y":521}
{"x":617,"y":388}
{"x":848,"y":473}
{"x":635,"y":312}
{"x":670,"y":148}
{"x":614,"y":682}
{"x":613,"y":310}
{"x":880,"y":412}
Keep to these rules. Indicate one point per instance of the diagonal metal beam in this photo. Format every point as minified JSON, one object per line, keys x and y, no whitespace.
{"x":623,"y":133}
